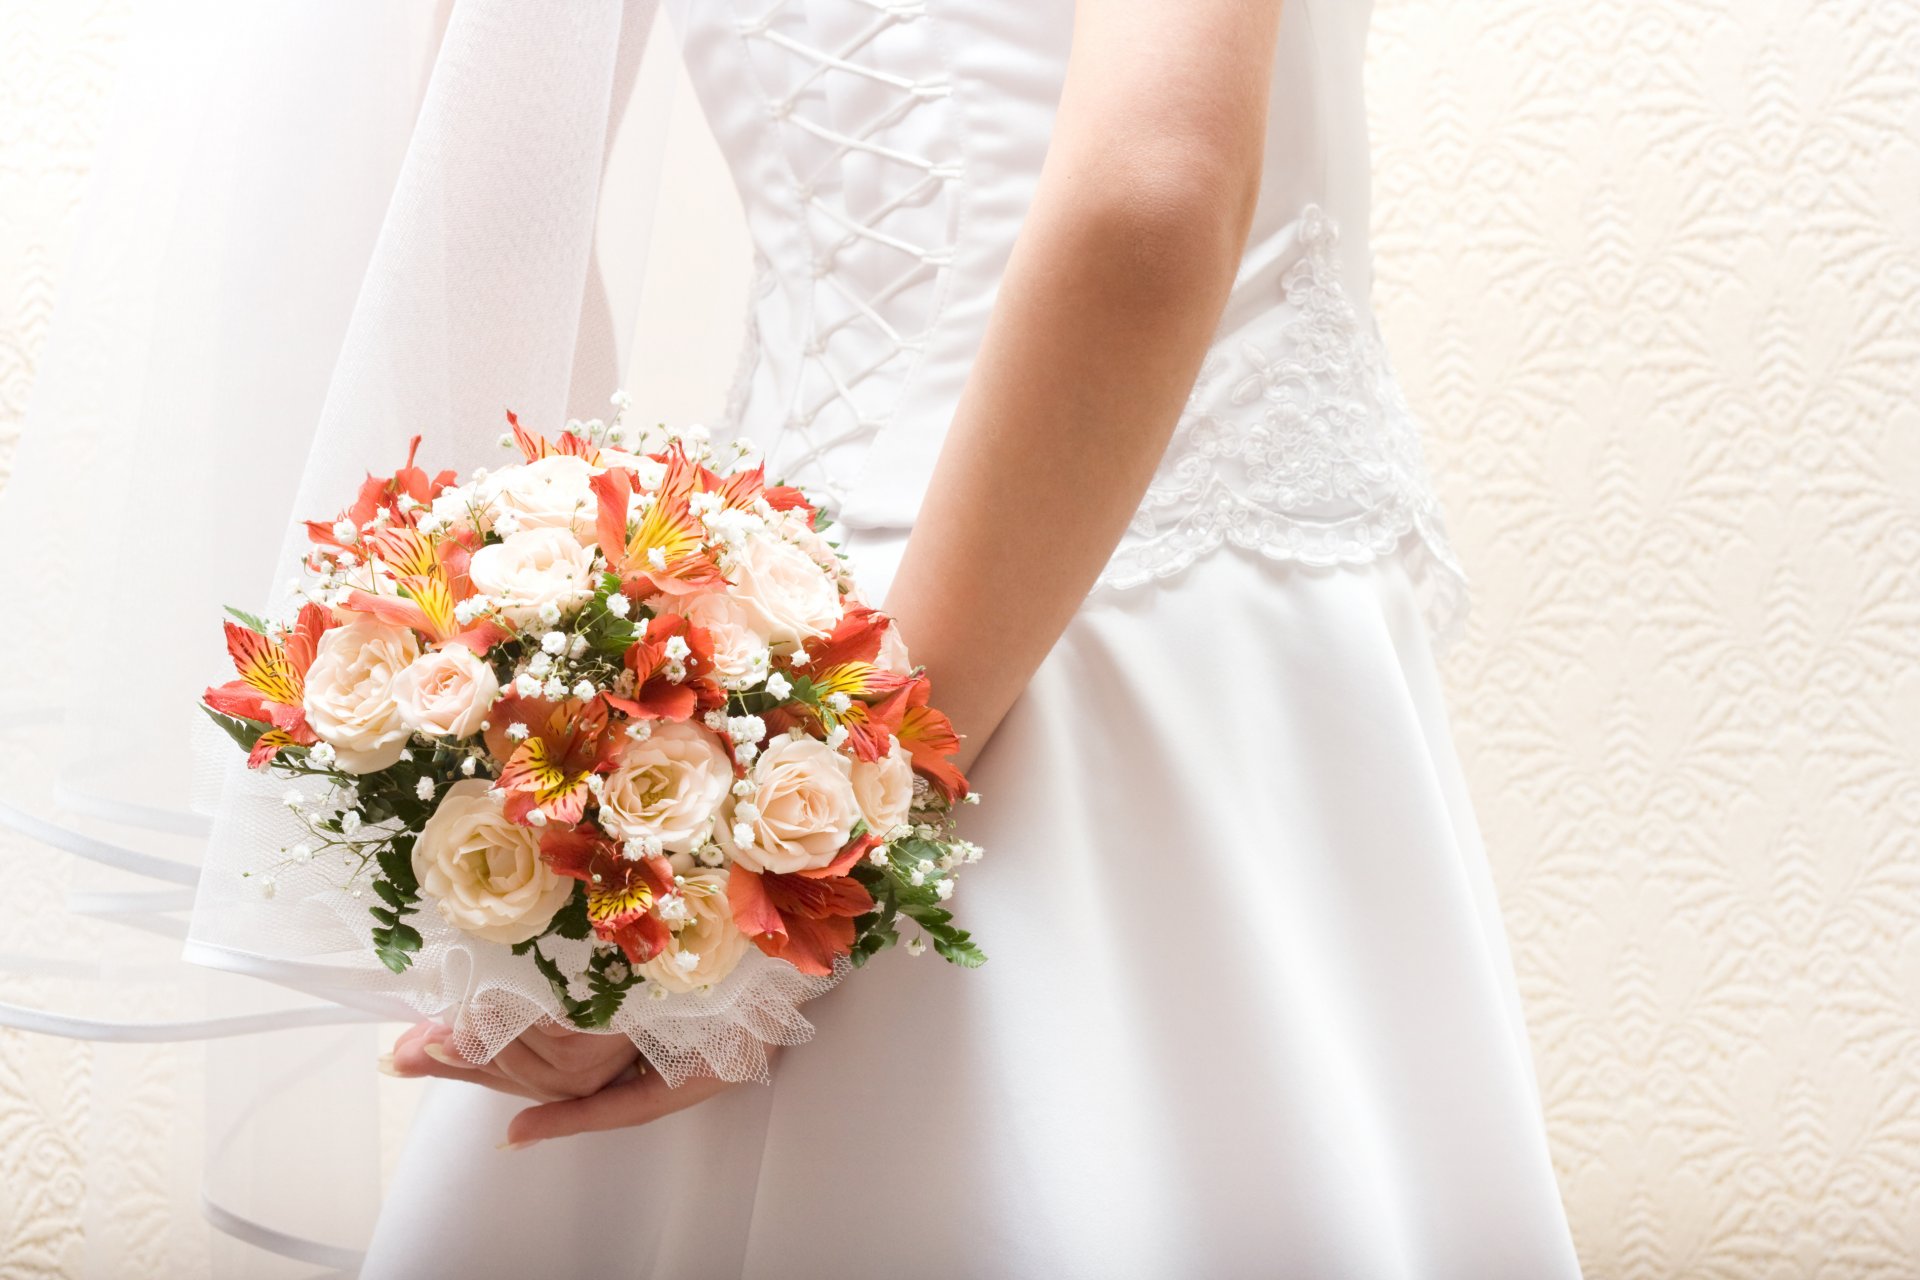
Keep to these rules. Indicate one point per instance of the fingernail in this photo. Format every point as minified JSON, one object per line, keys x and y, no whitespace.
{"x":521,"y":1145}
{"x":440,"y":1055}
{"x":385,"y":1063}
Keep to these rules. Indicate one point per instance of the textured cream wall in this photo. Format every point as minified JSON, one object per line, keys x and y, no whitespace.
{"x":56,"y":62}
{"x":1651,"y":270}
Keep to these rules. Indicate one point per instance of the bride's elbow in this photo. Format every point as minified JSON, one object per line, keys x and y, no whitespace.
{"x":1172,"y":221}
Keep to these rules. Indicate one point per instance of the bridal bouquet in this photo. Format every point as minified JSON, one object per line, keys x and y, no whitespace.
{"x":616,"y":708}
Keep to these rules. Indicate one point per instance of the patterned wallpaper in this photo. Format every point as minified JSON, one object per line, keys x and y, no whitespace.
{"x":1652,"y":273}
{"x":56,"y":66}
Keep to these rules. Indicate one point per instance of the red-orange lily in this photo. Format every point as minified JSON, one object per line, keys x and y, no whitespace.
{"x":664,"y":551}
{"x":534,"y":446}
{"x":742,"y":487}
{"x":843,"y":663}
{"x":379,"y":493}
{"x":805,"y":919}
{"x":621,"y":891}
{"x":929,"y":739}
{"x":567,"y":741}
{"x":272,"y":682}
{"x":654,"y":696}
{"x":430,"y":582}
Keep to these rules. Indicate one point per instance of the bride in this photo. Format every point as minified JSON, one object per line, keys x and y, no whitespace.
{"x":1064,"y":306}
{"x":1067,"y":308}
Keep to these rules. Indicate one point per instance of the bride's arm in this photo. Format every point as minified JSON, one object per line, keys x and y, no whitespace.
{"x":1112,"y":292}
{"x":1111,"y":295}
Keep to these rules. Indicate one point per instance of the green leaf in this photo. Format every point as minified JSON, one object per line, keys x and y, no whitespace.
{"x":962,"y":953}
{"x":396,"y":864}
{"x":248,"y":620}
{"x":607,"y":996}
{"x":395,"y":946}
{"x":571,"y":921}
{"x":555,"y":979}
{"x":395,"y":941}
{"x":926,"y":917}
{"x":244,"y":732}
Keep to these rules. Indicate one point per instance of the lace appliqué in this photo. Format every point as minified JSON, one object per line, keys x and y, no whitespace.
{"x":1299,"y":446}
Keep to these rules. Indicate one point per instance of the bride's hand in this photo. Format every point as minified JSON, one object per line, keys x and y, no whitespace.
{"x":584,"y":1082}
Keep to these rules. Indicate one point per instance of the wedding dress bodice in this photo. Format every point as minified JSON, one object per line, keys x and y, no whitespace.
{"x":886,"y":152}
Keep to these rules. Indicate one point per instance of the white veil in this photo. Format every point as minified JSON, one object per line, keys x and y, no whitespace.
{"x":314,"y":231}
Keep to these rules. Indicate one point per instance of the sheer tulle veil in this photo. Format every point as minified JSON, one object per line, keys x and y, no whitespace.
{"x":313,"y":232}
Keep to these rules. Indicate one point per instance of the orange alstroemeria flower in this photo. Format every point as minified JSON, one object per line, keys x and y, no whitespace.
{"x":272,"y":682}
{"x":430,"y":582}
{"x":566,"y":742}
{"x":655,"y":697}
{"x":805,"y":919}
{"x":384,"y":493}
{"x":534,"y":446}
{"x":742,"y":487}
{"x":844,"y":663}
{"x":930,"y":741}
{"x":663,"y":553}
{"x":621,"y":891}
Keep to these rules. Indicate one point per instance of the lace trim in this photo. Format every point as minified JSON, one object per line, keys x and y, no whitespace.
{"x":313,"y":936}
{"x":1299,"y":446}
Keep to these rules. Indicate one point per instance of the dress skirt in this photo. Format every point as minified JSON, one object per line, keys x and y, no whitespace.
{"x":1249,"y":1008}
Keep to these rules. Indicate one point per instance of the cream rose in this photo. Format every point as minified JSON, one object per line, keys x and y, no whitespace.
{"x":789,"y":597}
{"x":708,"y":946}
{"x":446,"y":693}
{"x":668,"y":784}
{"x":533,"y":568}
{"x":799,"y":813}
{"x":893,"y":651}
{"x":483,"y":871}
{"x":650,"y":473}
{"x":883,"y":789}
{"x":349,"y":696}
{"x":739,"y":645}
{"x":551,"y":493}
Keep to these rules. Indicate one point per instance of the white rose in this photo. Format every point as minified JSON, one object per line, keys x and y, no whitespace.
{"x":349,"y":696}
{"x":789,"y":597}
{"x":533,"y":568}
{"x":551,"y":493}
{"x":710,"y":935}
{"x":650,"y":473}
{"x":668,"y":784}
{"x":739,"y":645}
{"x":803,"y":809}
{"x":893,"y":651}
{"x":446,"y":693}
{"x":883,"y":789}
{"x":483,"y":871}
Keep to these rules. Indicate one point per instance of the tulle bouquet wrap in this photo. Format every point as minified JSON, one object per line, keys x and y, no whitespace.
{"x":606,"y":735}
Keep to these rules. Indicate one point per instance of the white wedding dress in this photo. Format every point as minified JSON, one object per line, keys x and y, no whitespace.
{"x":1250,"y":1009}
